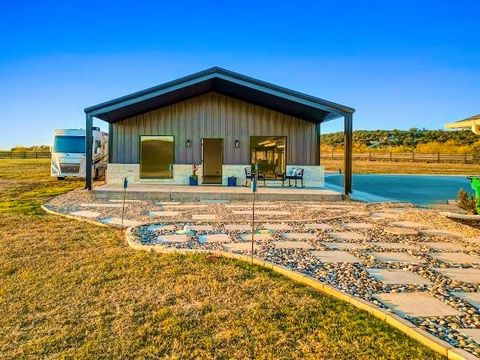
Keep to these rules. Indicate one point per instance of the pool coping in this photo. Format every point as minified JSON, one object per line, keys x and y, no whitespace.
{"x":436,"y":344}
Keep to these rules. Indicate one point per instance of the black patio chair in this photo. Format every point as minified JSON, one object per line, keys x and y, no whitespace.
{"x":249,"y":175}
{"x":294,"y":174}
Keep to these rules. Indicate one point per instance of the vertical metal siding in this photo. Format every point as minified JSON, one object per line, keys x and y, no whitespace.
{"x":215,"y":116}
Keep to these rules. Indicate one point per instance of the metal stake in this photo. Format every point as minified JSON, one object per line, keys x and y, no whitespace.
{"x":125,"y":184}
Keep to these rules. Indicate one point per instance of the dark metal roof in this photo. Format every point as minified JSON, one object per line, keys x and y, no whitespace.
{"x":225,"y":82}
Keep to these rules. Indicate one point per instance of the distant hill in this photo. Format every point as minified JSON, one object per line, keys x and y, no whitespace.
{"x":420,"y":140}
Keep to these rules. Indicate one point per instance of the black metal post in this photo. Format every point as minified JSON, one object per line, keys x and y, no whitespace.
{"x":88,"y":151}
{"x":348,"y":136}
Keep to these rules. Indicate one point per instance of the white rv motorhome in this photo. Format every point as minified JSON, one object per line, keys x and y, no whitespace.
{"x":68,"y":153}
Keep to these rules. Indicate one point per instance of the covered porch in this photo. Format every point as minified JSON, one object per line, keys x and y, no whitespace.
{"x":213,"y":193}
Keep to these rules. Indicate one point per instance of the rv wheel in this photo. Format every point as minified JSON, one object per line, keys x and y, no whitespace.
{"x":60,"y":178}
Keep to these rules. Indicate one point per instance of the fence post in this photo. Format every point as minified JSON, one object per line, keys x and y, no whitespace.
{"x":332,"y":154}
{"x":390,"y":156}
{"x":465,"y":158}
{"x":413,"y":156}
{"x":438,"y":157}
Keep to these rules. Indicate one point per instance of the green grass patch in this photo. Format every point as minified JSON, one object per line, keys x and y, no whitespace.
{"x":74,"y":290}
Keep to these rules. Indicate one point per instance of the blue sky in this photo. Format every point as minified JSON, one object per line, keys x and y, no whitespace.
{"x":400,"y":64}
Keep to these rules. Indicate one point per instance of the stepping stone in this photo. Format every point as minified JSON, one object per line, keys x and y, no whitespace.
{"x":473,"y":241}
{"x":248,"y":237}
{"x":384,"y":215}
{"x":292,"y":245}
{"x":238,"y":206}
{"x":408,"y":224}
{"x":318,"y":227}
{"x":394,"y":277}
{"x":396,"y":257}
{"x":214,"y":201}
{"x":202,"y":227}
{"x":163,"y":213}
{"x":172,"y":238}
{"x":241,"y":247}
{"x":348,"y":235}
{"x":335,"y":257}
{"x":126,"y":201}
{"x":471,"y":276}
{"x":359,"y":225}
{"x":160,"y":227}
{"x":299,"y":236}
{"x":472,"y":333}
{"x":237,"y":227}
{"x":265,"y":206}
{"x":204,"y":217}
{"x":470,"y":297}
{"x":400,"y":231}
{"x":96,"y":205}
{"x":167,"y":203}
{"x":272,"y":212}
{"x":441,"y":233}
{"x":388,"y":245}
{"x":118,"y":221}
{"x":277,"y":227}
{"x":344,"y":245}
{"x":185,"y":206}
{"x":359,"y":213}
{"x":456,"y":258}
{"x":416,"y":304}
{"x":443,"y":246}
{"x":85,"y":213}
{"x":214,"y":238}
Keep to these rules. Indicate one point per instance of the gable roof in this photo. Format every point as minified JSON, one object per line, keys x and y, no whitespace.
{"x":226,"y":82}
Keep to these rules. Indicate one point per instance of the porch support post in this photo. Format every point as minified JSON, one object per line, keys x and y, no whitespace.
{"x":348,"y":135}
{"x":88,"y":151}
{"x":317,"y":144}
{"x":110,"y":142}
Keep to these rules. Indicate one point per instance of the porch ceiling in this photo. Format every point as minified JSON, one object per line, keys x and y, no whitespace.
{"x":226,"y":82}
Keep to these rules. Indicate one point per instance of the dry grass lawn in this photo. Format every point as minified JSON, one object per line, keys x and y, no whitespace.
{"x":385,"y":167}
{"x":74,"y":290}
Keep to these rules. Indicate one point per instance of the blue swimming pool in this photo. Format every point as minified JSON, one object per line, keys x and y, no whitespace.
{"x":417,"y":189}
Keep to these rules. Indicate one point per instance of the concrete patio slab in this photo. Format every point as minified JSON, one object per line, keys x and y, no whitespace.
{"x":443,"y":246}
{"x":172,"y":238}
{"x":472,"y":333}
{"x":214,"y":238}
{"x":398,"y":230}
{"x":348,"y":235}
{"x":118,"y":221}
{"x":248,"y":237}
{"x":384,"y":215}
{"x":335,"y":257}
{"x":241,"y":247}
{"x":456,"y":258}
{"x":322,"y":227}
{"x":163,"y":213}
{"x":396,"y":276}
{"x":204,"y":217}
{"x":344,"y":245}
{"x":416,"y":304}
{"x":277,"y":227}
{"x":471,"y":276}
{"x":408,"y":224}
{"x":396,"y":257}
{"x":85,"y":213}
{"x":299,"y":236}
{"x":97,"y":205}
{"x":292,"y":245}
{"x":470,"y":297}
{"x":358,"y":225}
{"x":390,"y":245}
{"x":238,"y":227}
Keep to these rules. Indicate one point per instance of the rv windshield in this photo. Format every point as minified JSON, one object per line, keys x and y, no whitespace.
{"x":69,"y":144}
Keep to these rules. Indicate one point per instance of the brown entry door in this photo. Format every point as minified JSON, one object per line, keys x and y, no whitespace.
{"x":212,"y":161}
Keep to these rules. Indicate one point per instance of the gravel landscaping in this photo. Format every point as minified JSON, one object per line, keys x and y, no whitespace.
{"x":371,"y":251}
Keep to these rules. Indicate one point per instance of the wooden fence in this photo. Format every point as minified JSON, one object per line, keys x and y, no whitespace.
{"x":410,"y":157}
{"x":25,"y":155}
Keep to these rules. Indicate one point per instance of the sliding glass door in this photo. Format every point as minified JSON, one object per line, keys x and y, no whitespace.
{"x":157,"y":156}
{"x":269,"y":152}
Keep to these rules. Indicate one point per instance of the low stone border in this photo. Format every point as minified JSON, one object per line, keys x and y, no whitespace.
{"x":408,"y":328}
